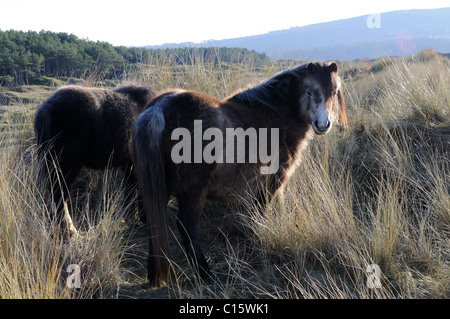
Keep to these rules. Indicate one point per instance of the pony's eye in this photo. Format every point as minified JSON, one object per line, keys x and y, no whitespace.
{"x":309,"y":93}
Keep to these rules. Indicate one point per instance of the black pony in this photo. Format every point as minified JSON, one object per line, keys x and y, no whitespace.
{"x":86,"y":127}
{"x":207,"y":163}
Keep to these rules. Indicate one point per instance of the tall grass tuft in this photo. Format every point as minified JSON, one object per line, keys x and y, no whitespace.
{"x":34,"y":260}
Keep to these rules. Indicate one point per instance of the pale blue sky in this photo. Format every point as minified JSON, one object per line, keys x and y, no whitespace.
{"x":139,"y":22}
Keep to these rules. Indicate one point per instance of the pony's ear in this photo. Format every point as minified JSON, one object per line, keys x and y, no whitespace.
{"x":311,"y":68}
{"x":333,"y":67}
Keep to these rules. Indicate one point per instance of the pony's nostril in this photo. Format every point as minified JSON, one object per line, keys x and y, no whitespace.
{"x":321,"y":126}
{"x":316,"y":124}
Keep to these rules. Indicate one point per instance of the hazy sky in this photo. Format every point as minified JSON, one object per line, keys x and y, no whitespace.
{"x":139,"y":22}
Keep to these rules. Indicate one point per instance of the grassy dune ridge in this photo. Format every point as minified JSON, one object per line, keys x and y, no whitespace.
{"x":375,"y":194}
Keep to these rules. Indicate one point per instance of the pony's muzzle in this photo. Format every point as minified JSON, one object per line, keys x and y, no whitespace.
{"x":321,"y":126}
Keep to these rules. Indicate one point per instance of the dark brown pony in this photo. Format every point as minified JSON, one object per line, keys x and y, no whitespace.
{"x":87,"y":127}
{"x":288,"y":108}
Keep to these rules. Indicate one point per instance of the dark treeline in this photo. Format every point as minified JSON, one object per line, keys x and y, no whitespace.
{"x":24,"y":56}
{"x":27,"y":56}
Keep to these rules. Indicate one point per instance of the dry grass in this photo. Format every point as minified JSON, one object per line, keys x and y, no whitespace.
{"x":34,"y":260}
{"x":378,"y":193}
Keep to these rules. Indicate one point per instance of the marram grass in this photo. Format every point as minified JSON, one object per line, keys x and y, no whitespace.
{"x":375,"y":194}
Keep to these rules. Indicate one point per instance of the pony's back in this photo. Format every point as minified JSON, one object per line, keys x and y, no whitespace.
{"x":91,"y":122}
{"x":87,"y":127}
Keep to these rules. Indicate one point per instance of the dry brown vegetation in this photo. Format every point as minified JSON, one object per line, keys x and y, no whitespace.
{"x":377,"y":193}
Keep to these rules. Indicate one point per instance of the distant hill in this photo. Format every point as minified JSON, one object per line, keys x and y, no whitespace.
{"x":395,"y":33}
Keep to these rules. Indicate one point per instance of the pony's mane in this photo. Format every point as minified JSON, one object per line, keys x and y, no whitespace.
{"x":262,"y":94}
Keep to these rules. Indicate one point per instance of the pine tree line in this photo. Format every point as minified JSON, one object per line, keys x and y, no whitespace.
{"x":27,"y":56}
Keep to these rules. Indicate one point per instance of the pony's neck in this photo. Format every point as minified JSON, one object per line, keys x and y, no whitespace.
{"x":259,"y":96}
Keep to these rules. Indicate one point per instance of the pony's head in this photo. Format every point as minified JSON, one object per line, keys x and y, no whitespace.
{"x":322,"y":100}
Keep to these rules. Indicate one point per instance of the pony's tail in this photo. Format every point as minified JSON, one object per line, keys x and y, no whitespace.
{"x":42,"y":125}
{"x":149,"y":161}
{"x":45,"y":142}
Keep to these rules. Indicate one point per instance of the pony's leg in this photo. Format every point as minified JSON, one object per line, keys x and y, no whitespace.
{"x":130,"y":193}
{"x":54,"y":179}
{"x":190,"y":207}
{"x":68,"y":223}
{"x":271,"y":189}
{"x":65,"y":176}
